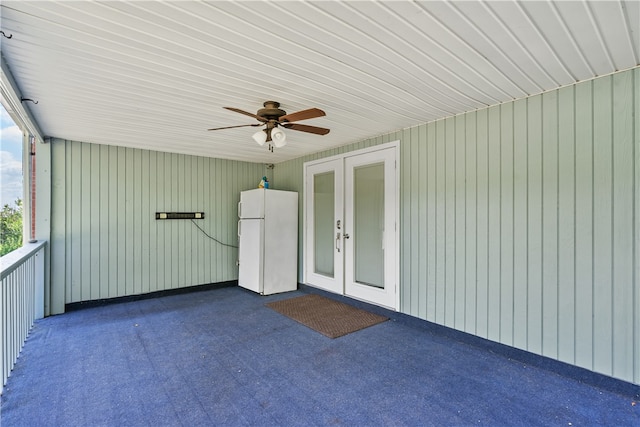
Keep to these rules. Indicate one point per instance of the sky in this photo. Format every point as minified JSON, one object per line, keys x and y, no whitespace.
{"x":10,"y":160}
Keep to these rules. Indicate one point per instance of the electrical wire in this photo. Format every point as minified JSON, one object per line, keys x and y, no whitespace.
{"x":212,"y":238}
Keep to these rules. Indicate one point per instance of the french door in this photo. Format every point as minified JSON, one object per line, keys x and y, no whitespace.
{"x":323,"y":224}
{"x":350,"y":225}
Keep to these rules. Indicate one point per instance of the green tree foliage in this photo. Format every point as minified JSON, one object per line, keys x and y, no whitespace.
{"x":10,"y":228}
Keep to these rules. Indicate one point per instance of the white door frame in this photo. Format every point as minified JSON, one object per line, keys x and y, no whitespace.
{"x":396,"y":146}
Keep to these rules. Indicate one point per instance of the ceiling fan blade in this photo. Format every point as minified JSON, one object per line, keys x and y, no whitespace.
{"x":262,"y":119}
{"x":311,"y":113}
{"x":306,"y":128}
{"x":238,"y":126}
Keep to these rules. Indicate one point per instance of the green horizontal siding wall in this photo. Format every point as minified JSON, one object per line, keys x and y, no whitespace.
{"x":106,"y":241}
{"x":520,"y":222}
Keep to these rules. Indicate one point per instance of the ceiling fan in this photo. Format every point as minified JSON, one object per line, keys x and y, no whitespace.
{"x":271,"y":117}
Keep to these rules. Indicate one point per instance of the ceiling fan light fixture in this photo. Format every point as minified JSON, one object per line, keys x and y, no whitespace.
{"x":278,"y":137}
{"x":260,"y":137}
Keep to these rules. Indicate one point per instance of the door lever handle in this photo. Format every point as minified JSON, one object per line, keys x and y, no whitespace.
{"x":338,"y":241}
{"x":346,"y":236}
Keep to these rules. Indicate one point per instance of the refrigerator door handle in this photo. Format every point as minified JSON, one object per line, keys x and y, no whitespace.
{"x":239,"y":209}
{"x":239,"y":225}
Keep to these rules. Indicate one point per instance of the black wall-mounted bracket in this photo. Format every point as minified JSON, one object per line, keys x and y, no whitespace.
{"x":179,"y":215}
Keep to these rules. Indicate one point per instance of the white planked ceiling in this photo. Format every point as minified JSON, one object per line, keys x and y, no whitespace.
{"x":155,"y":75}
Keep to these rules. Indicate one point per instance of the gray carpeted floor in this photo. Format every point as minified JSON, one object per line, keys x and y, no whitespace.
{"x":221,"y":357}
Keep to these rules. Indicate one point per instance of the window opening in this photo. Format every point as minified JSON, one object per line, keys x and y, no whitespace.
{"x":11,"y":184}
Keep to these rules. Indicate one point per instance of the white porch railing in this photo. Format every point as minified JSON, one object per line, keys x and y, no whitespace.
{"x":21,"y":300}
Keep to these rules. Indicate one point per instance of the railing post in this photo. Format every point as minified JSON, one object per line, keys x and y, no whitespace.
{"x":39,"y":284}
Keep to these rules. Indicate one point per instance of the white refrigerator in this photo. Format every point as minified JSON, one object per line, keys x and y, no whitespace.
{"x":268,"y":241}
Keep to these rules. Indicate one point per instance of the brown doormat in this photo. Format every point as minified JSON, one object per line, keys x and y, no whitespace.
{"x":329,"y":317}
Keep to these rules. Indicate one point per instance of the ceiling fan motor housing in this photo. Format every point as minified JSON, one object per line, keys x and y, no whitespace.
{"x":271,"y":111}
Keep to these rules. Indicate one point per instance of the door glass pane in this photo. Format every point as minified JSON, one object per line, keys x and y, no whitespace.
{"x":369,"y":224}
{"x":323,"y":221}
